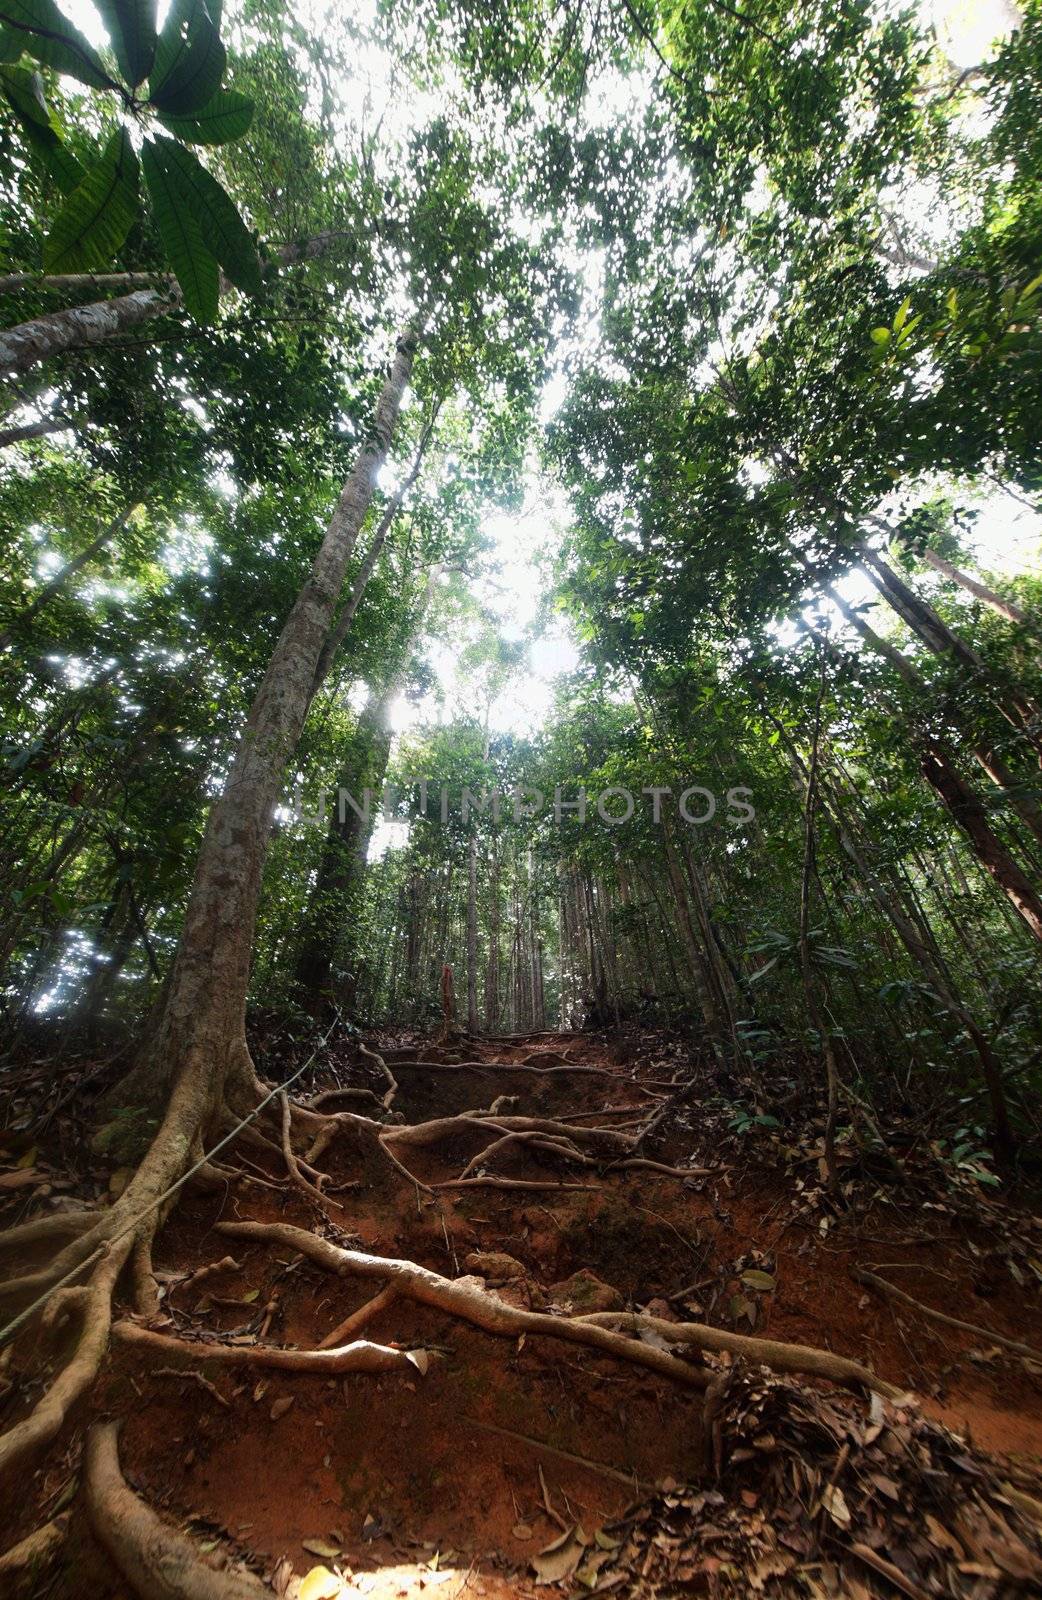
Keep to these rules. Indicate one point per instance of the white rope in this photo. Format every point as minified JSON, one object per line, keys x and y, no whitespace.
{"x":30,"y":1311}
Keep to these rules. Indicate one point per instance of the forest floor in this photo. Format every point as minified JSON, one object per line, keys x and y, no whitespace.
{"x":453,"y":1479}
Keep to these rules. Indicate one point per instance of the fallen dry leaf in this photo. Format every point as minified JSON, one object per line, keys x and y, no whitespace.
{"x":318,"y":1547}
{"x":560,"y":1559}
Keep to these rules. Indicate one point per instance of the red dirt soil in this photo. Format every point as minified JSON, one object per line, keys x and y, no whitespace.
{"x":392,"y":1475}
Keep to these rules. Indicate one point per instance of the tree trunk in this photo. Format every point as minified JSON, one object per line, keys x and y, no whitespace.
{"x":333,"y":905}
{"x":61,"y":578}
{"x":924,"y":621}
{"x":37,"y":430}
{"x":199,"y":1043}
{"x":972,"y":818}
{"x":472,"y":934}
{"x":79,"y":327}
{"x":974,"y":586}
{"x":1027,"y":809}
{"x":492,"y":970}
{"x":29,"y":343}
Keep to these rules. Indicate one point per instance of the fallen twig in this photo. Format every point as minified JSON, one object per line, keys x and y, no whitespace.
{"x":873,"y":1281}
{"x":630,"y":1479}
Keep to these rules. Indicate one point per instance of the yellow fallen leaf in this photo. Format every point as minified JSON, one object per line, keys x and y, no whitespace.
{"x":319,"y":1584}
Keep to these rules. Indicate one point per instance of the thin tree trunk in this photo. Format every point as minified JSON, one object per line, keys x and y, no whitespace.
{"x":80,"y":327}
{"x":924,"y":621}
{"x":472,"y":934}
{"x":697,"y":963}
{"x":1027,"y":809}
{"x":974,"y":586}
{"x":61,"y":578}
{"x":37,"y":430}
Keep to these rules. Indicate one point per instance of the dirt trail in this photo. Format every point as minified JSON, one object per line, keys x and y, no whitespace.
{"x":449,"y":1481}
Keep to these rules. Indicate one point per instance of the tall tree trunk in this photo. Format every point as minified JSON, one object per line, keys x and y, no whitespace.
{"x":472,"y":934}
{"x":492,"y":971}
{"x":1026,"y":808}
{"x":924,"y":621}
{"x":967,"y":810}
{"x":199,"y":1044}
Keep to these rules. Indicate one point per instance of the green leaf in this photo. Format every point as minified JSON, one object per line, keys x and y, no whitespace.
{"x":182,"y":240}
{"x":23,"y":91}
{"x":10,"y":44}
{"x":190,"y":59}
{"x":96,"y":216}
{"x":53,"y":40}
{"x":902,"y":313}
{"x":222,"y":228}
{"x":227,"y":116}
{"x":131,"y":26}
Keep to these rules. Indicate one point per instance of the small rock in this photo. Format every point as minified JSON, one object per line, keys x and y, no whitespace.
{"x":495,"y":1266}
{"x":584,"y":1292}
{"x":281,"y":1406}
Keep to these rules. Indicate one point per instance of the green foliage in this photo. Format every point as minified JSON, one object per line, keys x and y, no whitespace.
{"x":96,"y":216}
{"x":197,"y":223}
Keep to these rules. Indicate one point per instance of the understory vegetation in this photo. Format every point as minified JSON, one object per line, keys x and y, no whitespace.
{"x":518,"y":574}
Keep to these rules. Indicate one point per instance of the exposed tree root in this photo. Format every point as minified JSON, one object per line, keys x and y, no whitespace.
{"x":146,"y":1290}
{"x":295,"y":1167}
{"x":392,"y":1081}
{"x":641,"y":1163}
{"x":499,"y":1069}
{"x":93,"y":1305}
{"x":319,"y":1101}
{"x":505,"y":1183}
{"x":463,"y":1299}
{"x":188,"y":1375}
{"x":561,"y":1138}
{"x":158,"y":1562}
{"x":873,"y":1281}
{"x":43,"y":1230}
{"x":24,"y":1566}
{"x":781,"y":1356}
{"x":359,"y":1356}
{"x":192,"y":1280}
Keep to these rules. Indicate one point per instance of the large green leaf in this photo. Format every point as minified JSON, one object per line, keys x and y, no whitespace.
{"x":10,"y":44}
{"x":131,"y":26}
{"x":182,"y":239}
{"x":190,"y":59}
{"x":227,"y":116}
{"x":23,"y":91}
{"x":53,"y":40}
{"x":221,"y":226}
{"x":96,"y":216}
